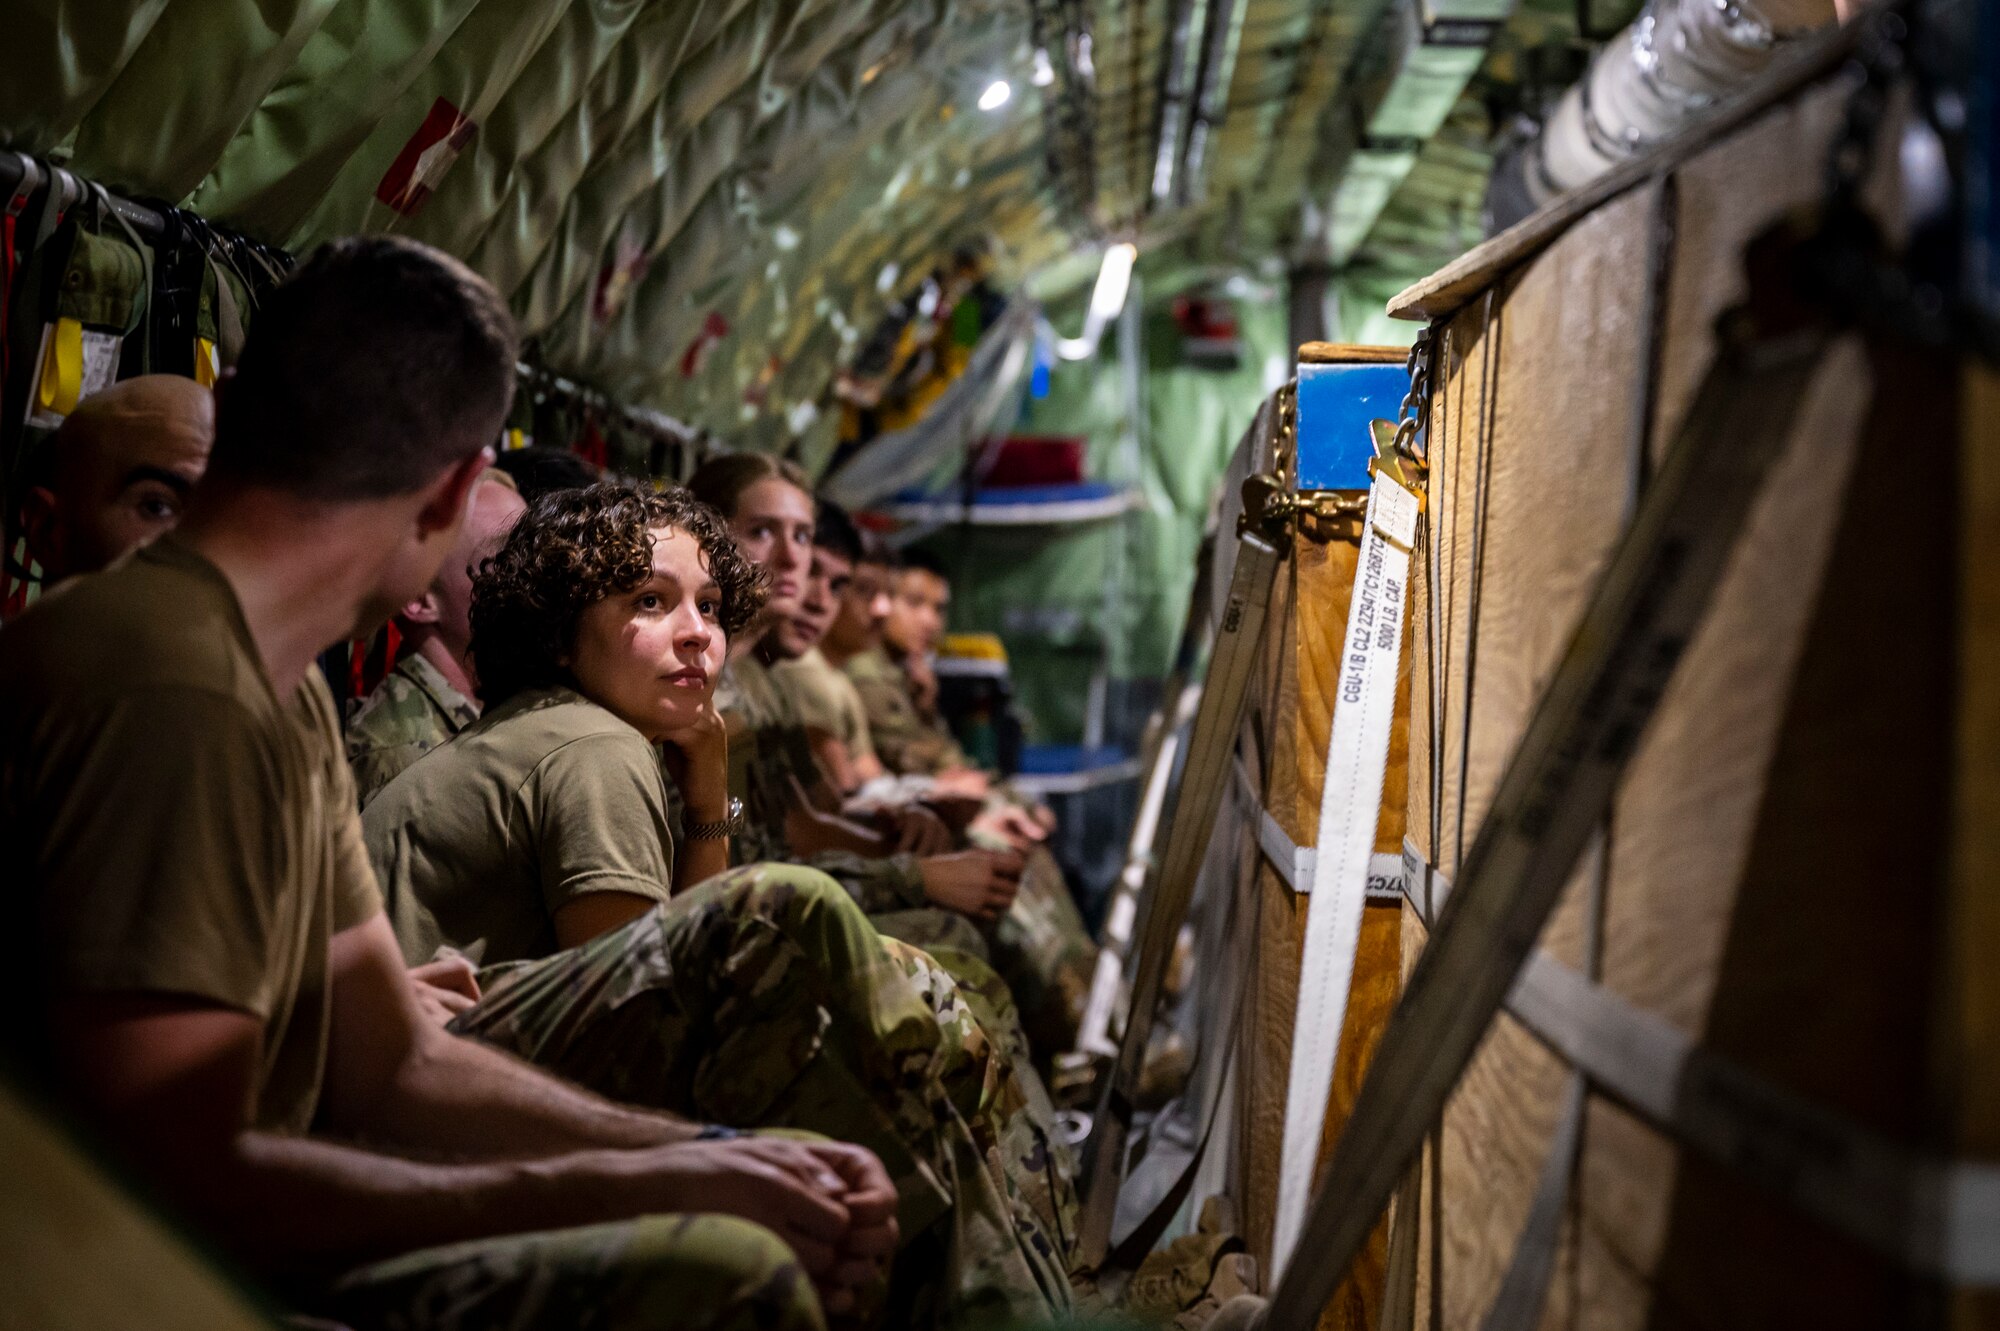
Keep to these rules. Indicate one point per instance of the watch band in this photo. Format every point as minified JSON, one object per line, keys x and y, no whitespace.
{"x":720,"y":828}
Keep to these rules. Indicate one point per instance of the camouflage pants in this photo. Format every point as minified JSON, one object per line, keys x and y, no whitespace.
{"x":764,"y":998}
{"x":658,"y":1273}
{"x":985,"y":1071}
{"x":1044,"y":950}
{"x":1040,"y":948}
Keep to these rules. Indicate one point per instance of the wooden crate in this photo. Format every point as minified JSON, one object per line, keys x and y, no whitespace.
{"x":1799,"y":871}
{"x":1293,"y":713}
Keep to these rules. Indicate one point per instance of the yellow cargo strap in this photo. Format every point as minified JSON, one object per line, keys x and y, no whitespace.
{"x":62,"y":369}
{"x":207,"y":365}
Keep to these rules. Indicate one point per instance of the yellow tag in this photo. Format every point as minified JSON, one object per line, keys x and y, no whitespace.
{"x":207,"y":365}
{"x":62,"y":371}
{"x":516,"y":438}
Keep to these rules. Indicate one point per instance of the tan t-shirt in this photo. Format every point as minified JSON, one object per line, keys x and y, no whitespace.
{"x":182,"y":829}
{"x":545,"y":798}
{"x":827,"y":701}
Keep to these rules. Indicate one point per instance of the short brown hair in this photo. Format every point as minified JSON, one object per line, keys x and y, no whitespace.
{"x":373,"y":368}
{"x":721,"y":481}
{"x":570,"y":550}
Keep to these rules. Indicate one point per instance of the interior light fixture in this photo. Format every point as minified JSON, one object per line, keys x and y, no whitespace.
{"x":996,"y":95}
{"x":1107,"y":301}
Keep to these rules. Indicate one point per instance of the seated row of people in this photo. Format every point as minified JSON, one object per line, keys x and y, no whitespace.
{"x":309,"y":1063}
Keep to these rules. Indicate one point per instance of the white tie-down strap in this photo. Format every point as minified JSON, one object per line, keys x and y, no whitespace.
{"x":1350,"y":807}
{"x":1294,"y":863}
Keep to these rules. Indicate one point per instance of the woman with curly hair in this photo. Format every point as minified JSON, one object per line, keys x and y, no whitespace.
{"x":542,"y":838}
{"x":598,"y":632}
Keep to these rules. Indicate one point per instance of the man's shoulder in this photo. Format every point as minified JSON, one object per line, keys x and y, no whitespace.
{"x":407,"y":708}
{"x":810,"y":674}
{"x":870,"y":666}
{"x":395,"y":712}
{"x":141,"y":626}
{"x":877,"y":677}
{"x":753,"y":689}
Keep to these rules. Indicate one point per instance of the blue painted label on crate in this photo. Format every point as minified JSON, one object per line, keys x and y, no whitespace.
{"x":1336,"y":404}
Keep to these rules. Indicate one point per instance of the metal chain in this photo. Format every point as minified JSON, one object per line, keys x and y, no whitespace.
{"x":1412,"y":442}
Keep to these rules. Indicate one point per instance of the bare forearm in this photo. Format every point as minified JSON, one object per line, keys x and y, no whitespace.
{"x":456,"y":1096}
{"x":302,"y":1204}
{"x":811,"y":833}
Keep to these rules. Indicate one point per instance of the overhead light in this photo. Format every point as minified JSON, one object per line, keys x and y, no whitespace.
{"x":1107,"y":301}
{"x":1114,"y":279}
{"x":1044,"y":73}
{"x":996,"y":95}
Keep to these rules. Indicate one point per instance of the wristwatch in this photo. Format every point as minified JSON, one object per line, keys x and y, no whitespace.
{"x":719,"y":829}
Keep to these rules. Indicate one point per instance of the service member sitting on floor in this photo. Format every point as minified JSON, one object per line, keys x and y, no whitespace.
{"x":1031,"y":934}
{"x":834,"y":717}
{"x":791,"y":811}
{"x":116,"y":475}
{"x":896,"y":682}
{"x":846,"y":601}
{"x":541,"y":837}
{"x":172,"y":770}
{"x":429,"y":695}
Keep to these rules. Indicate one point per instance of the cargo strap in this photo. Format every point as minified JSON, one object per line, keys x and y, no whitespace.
{"x":1937,"y":1217}
{"x":1107,"y":981}
{"x":1168,"y":1167}
{"x":1559,"y":782}
{"x":1350,"y":808}
{"x":1294,"y":863}
{"x":1211,"y":745}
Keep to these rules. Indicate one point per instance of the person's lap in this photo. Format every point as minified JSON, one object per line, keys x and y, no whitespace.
{"x":655,"y":1273}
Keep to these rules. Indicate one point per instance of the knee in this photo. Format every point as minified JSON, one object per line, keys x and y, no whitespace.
{"x":791,"y":896}
{"x":715,"y":1273}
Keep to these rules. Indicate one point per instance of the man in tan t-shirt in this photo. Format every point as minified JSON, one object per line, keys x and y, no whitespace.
{"x":834,"y":717}
{"x":205,"y":974}
{"x":429,"y":695}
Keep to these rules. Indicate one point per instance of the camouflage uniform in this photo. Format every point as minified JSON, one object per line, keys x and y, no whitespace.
{"x":685,"y":1272}
{"x":1042,"y":945}
{"x":1044,"y":948}
{"x":907,"y":740}
{"x":412,"y":711}
{"x":768,"y":754}
{"x":763,"y":998}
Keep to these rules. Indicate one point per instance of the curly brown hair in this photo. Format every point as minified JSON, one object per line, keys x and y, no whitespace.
{"x":570,"y":550}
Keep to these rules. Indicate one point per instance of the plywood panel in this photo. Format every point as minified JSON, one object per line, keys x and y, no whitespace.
{"x":1774,"y":867}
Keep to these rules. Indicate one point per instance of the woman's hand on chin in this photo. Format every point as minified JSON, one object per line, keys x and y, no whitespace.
{"x":697,"y":755}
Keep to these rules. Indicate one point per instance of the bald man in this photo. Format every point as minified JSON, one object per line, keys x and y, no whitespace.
{"x":428,"y":697}
{"x":117,"y":474}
